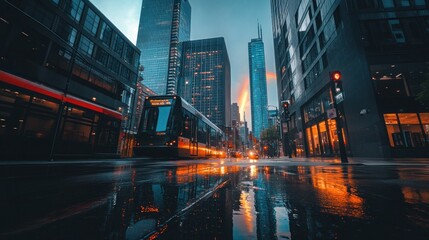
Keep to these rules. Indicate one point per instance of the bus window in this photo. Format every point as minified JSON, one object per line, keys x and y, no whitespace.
{"x":164,"y":113}
{"x":156,"y":119}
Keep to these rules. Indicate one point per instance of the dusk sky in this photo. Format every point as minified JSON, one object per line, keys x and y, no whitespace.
{"x":235,"y":20}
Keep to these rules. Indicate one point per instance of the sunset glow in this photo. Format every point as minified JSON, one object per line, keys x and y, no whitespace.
{"x":243,"y":98}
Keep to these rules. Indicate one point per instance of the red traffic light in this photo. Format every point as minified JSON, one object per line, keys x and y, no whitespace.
{"x":336,"y":76}
{"x":285,"y":104}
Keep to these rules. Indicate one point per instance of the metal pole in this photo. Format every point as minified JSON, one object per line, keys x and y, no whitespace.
{"x":338,"y":121}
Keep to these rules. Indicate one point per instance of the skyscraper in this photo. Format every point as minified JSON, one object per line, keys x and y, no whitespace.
{"x":258,"y":85}
{"x":381,"y":49}
{"x":205,"y":79}
{"x":235,"y":115}
{"x":163,"y":24}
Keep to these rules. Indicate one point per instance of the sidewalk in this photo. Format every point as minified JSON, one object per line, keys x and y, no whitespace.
{"x":360,"y":160}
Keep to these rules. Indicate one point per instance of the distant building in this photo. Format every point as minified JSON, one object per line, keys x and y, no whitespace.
{"x":142,"y":92}
{"x":272,"y":118}
{"x":244,"y":133}
{"x":258,"y":85}
{"x":382,"y":51}
{"x":67,"y":79}
{"x":163,"y":24}
{"x":205,"y":79}
{"x":235,"y":115}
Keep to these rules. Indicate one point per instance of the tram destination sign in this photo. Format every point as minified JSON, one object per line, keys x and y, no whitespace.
{"x":160,"y":102}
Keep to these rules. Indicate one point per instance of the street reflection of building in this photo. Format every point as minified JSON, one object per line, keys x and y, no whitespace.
{"x":143,"y":207}
{"x":67,"y":77}
{"x":381,"y":49}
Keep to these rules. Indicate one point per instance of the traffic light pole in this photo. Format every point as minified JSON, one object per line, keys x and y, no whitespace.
{"x":338,"y":121}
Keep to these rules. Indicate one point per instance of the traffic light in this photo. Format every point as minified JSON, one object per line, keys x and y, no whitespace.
{"x":336,"y":79}
{"x":285,"y":105}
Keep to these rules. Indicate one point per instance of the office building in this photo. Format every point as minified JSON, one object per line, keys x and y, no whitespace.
{"x":235,"y":115}
{"x":67,"y":78}
{"x":258,"y":85}
{"x":205,"y":79}
{"x":163,"y":25}
{"x":381,"y":49}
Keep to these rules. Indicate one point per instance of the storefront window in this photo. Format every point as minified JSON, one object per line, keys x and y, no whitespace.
{"x":393,"y":130}
{"x":309,"y":141}
{"x":424,"y":118}
{"x":326,"y":149}
{"x":333,"y":135}
{"x":412,"y":132}
{"x":316,"y":141}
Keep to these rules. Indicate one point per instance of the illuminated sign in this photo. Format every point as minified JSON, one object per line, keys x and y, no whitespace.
{"x":160,"y":102}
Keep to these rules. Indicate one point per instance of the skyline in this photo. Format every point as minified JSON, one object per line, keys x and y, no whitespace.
{"x":206,"y":22}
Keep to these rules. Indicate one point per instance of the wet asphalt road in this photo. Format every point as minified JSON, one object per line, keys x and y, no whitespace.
{"x":214,"y":199}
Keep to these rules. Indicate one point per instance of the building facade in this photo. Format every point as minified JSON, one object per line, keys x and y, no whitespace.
{"x":163,"y":25}
{"x":67,"y":78}
{"x":235,"y":115}
{"x":205,"y":79}
{"x":258,"y":85}
{"x":382,"y":51}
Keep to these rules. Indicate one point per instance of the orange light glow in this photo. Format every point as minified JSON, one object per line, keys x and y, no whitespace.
{"x":271,"y":77}
{"x":243,"y":96}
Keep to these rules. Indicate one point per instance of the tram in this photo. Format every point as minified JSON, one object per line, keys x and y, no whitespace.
{"x":171,"y":127}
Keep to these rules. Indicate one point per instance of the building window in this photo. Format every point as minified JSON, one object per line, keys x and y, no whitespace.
{"x":118,"y":44}
{"x":66,"y":32}
{"x":85,"y":45}
{"x":106,"y":34}
{"x":74,"y":8}
{"x":129,"y":52}
{"x":396,"y":29}
{"x":388,"y":4}
{"x":91,"y":22}
{"x":420,"y":2}
{"x":101,"y":56}
{"x":405,"y":130}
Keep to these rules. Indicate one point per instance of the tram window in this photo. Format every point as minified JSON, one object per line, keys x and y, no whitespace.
{"x":156,"y":119}
{"x":164,"y":113}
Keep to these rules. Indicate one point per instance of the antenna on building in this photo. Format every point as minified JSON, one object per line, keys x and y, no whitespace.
{"x":259,"y":30}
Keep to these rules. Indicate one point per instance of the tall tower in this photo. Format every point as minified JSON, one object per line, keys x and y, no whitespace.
{"x":163,"y":24}
{"x":258,"y":84}
{"x":235,"y":115}
{"x":205,"y":79}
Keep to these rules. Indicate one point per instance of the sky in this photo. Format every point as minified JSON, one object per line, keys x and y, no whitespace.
{"x":235,"y":20}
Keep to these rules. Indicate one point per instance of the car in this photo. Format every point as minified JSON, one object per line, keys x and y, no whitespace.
{"x":253,"y":154}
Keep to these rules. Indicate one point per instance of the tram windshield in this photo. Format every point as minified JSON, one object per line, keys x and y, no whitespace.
{"x":156,"y":119}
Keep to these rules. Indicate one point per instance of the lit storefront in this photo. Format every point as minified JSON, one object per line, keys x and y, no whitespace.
{"x":320,"y":131}
{"x":407,"y":130}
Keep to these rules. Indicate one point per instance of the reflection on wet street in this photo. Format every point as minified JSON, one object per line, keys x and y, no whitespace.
{"x":214,"y":199}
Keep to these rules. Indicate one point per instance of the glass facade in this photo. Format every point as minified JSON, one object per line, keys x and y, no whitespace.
{"x":258,"y":86}
{"x":73,"y":89}
{"x":205,"y":79}
{"x":385,"y":42}
{"x":163,"y":24}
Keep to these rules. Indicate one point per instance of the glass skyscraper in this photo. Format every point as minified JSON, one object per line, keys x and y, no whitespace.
{"x":258,"y":85}
{"x":163,"y":24}
{"x":205,"y":79}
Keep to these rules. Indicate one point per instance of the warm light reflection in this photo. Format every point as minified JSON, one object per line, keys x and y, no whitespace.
{"x":247,"y":211}
{"x":337,"y":192}
{"x":253,"y":171}
{"x":189,"y":173}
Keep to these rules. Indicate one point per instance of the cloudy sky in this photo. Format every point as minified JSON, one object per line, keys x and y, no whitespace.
{"x":235,"y":20}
